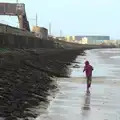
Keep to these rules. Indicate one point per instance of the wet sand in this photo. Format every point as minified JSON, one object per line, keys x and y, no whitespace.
{"x":73,"y":103}
{"x":103,"y":103}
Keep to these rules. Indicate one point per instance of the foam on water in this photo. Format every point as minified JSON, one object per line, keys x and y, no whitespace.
{"x":115,"y":57}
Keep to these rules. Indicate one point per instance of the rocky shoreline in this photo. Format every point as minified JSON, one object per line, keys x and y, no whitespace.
{"x":27,"y":76}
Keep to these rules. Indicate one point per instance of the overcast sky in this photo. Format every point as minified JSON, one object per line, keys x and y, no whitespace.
{"x":73,"y":17}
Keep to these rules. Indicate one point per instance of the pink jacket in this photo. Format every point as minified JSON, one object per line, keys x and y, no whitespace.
{"x":88,"y":69}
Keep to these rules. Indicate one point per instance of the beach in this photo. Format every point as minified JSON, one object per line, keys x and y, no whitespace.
{"x":73,"y":103}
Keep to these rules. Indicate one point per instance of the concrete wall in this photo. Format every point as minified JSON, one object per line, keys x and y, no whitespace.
{"x":70,"y":45}
{"x":16,"y":41}
{"x":15,"y":31}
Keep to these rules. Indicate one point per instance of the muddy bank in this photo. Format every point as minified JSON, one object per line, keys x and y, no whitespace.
{"x":26,"y":78}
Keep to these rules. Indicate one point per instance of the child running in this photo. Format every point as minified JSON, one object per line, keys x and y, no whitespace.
{"x":88,"y":69}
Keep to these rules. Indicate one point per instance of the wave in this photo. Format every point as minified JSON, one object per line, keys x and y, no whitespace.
{"x":115,"y":57}
{"x":110,"y":51}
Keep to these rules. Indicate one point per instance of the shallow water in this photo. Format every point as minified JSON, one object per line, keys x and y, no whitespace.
{"x":106,"y":62}
{"x":103,"y":103}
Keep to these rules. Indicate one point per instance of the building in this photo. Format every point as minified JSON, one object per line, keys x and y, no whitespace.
{"x":60,"y":38}
{"x":70,"y":38}
{"x":40,"y":32}
{"x":87,"y":39}
{"x":112,"y":42}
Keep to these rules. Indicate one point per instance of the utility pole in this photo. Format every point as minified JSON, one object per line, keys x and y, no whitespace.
{"x":60,"y":33}
{"x":36,"y":20}
{"x":50,"y":27}
{"x":16,"y":1}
